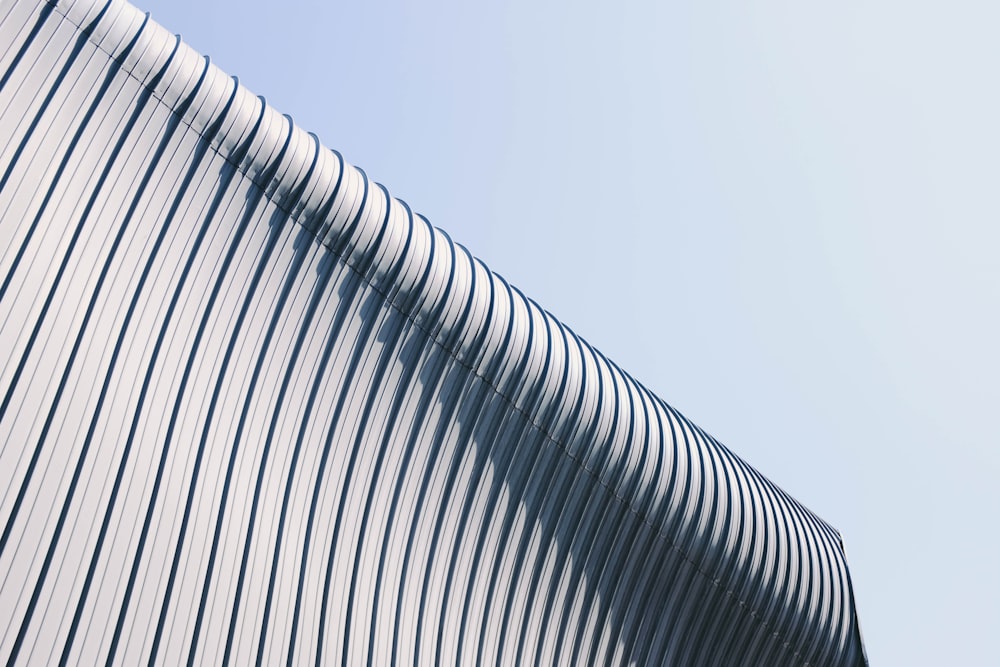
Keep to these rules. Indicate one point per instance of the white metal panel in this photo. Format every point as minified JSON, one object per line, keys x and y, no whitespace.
{"x":256,"y":410}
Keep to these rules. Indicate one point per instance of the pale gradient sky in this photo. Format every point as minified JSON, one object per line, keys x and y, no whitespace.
{"x":783,"y":219}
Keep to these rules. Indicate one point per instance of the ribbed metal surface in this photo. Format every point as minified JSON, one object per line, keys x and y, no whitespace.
{"x":256,"y":410}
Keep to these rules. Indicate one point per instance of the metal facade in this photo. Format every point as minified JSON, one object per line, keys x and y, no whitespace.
{"x":253,"y":409}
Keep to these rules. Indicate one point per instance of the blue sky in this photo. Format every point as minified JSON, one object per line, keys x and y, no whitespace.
{"x":782,"y":218}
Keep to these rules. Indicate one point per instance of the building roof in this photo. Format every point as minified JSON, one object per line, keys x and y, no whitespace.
{"x":255,"y":408}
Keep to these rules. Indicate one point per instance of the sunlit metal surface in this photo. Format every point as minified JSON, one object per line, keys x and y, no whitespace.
{"x":255,"y":410}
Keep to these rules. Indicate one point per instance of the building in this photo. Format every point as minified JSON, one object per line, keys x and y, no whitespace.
{"x":254,"y":409}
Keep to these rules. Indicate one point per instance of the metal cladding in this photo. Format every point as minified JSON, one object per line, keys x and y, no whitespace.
{"x":253,"y":409}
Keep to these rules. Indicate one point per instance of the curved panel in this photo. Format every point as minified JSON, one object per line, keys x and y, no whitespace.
{"x":254,"y":409}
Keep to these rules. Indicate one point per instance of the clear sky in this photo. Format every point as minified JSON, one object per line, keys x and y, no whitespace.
{"x":782,"y":217}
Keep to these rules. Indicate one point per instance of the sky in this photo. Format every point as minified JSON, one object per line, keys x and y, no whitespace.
{"x":781,"y":217}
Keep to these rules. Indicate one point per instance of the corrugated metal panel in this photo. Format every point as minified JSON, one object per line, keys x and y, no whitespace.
{"x":256,"y":410}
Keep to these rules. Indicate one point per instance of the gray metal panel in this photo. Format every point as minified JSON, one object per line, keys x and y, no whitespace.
{"x":255,"y":409}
